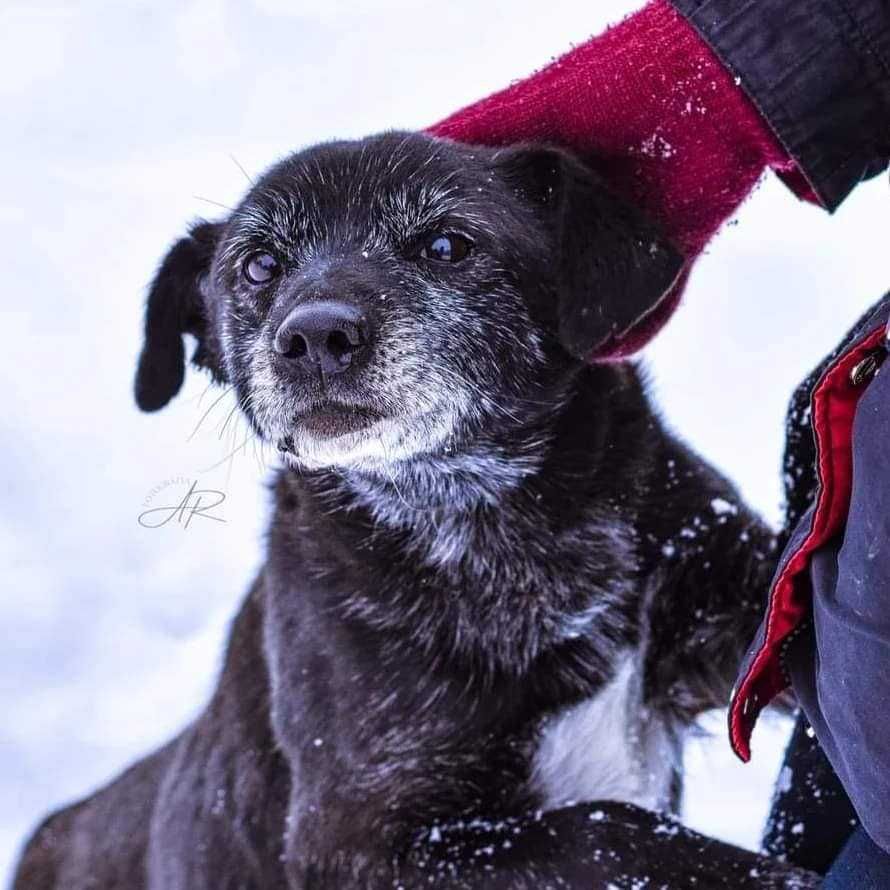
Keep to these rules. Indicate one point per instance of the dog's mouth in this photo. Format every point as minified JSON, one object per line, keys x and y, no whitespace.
{"x":329,"y":433}
{"x":330,"y":420}
{"x":355,"y":431}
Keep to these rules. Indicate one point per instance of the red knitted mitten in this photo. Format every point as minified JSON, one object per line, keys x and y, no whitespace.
{"x":650,"y":106}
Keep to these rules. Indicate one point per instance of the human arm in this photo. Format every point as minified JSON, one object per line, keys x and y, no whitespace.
{"x":684,"y":126}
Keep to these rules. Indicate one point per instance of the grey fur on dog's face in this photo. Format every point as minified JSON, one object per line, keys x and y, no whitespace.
{"x":454,"y":344}
{"x":459,"y":353}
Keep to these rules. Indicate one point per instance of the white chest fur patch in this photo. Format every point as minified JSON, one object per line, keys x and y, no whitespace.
{"x":606,"y":748}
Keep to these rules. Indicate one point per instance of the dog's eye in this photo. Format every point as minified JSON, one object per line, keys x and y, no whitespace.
{"x":261,"y":268}
{"x":446,"y":248}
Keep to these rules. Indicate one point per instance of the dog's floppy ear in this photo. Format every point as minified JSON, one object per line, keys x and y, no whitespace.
{"x":175,"y":307}
{"x":613,"y":264}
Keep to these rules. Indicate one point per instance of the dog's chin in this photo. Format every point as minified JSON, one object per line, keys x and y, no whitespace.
{"x":329,"y":422}
{"x":364,"y":440}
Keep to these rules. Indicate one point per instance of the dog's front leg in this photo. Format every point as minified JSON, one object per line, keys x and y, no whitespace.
{"x":591,"y":845}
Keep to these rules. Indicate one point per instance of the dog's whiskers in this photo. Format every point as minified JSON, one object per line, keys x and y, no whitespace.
{"x":230,"y":455}
{"x":215,"y":203}
{"x":209,"y":410}
{"x":237,"y":163}
{"x":231,"y":413}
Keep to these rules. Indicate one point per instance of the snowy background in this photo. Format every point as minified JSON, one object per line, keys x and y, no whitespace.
{"x":119,"y":122}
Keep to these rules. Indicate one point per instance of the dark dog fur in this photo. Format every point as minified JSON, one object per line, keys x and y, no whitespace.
{"x":494,"y":583}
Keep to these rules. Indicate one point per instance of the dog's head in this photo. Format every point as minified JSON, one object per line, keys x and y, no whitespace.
{"x":401,"y":295}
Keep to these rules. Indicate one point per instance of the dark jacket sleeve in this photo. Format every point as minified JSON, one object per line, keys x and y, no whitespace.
{"x":819,"y":71}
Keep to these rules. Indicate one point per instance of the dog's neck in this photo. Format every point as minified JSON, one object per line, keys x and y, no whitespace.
{"x":453,"y":507}
{"x":543,"y":517}
{"x":445,"y":506}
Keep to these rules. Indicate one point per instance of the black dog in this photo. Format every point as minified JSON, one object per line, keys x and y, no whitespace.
{"x":494,"y":583}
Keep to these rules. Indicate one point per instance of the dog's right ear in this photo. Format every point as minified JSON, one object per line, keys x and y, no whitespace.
{"x":175,"y":307}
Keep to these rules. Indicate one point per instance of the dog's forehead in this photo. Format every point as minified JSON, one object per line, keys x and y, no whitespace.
{"x":392,"y":161}
{"x":400,"y":181}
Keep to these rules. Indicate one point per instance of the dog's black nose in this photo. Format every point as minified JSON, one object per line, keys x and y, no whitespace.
{"x":325,"y":334}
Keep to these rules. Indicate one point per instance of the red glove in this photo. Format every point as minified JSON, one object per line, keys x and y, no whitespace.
{"x":650,"y":106}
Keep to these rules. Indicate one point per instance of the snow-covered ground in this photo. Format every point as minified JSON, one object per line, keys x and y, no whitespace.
{"x":118,"y":125}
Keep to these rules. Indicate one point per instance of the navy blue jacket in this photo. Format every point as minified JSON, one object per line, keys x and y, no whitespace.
{"x":827,"y":629}
{"x":819,"y":71}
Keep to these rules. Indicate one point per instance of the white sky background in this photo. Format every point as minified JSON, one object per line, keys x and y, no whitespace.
{"x":114,"y":116}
